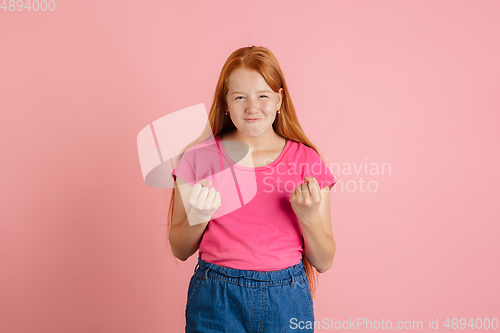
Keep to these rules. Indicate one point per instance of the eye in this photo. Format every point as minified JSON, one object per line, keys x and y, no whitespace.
{"x":239,"y":97}
{"x":263,"y":96}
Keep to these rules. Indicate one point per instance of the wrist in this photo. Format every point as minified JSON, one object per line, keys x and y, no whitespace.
{"x":310,"y":219}
{"x":196,"y":217}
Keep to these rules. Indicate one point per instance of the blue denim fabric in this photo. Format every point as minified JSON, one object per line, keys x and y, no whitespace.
{"x":222,"y":299}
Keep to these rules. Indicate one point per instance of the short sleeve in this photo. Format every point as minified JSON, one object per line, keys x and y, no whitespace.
{"x":200,"y":161}
{"x":185,"y":169}
{"x":319,"y":170}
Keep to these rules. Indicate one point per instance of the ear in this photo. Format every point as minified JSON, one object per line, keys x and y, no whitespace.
{"x":280,"y":97}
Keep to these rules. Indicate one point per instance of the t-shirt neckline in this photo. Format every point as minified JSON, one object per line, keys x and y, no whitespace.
{"x":264,"y":167}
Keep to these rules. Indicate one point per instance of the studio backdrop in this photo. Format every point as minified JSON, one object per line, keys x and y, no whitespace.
{"x":400,"y":97}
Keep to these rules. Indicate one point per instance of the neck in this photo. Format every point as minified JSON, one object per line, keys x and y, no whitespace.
{"x":255,"y":143}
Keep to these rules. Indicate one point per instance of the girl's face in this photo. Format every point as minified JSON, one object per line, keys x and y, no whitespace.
{"x":251,"y":103}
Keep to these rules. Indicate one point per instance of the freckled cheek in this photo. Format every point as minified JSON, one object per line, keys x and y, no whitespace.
{"x":269,"y":112}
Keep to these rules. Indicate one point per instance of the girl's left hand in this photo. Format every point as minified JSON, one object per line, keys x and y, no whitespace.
{"x":306,"y":198}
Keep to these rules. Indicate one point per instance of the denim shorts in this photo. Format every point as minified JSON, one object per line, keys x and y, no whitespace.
{"x":222,"y":299}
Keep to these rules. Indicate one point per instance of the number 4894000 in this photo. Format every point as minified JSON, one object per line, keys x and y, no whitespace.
{"x":35,"y":5}
{"x":479,"y":323}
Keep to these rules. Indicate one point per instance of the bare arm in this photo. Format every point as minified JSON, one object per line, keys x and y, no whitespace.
{"x":184,"y":237}
{"x":312,"y":206}
{"x":319,"y":244}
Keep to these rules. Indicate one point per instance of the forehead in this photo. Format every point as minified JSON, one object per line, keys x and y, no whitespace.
{"x":246,"y":79}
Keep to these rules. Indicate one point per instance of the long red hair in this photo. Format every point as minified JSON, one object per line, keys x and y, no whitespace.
{"x":286,"y":124}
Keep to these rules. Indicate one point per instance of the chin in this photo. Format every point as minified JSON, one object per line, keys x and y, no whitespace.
{"x":254,"y":135}
{"x":256,"y":132}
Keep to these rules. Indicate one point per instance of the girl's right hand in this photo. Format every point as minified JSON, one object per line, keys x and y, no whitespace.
{"x":203,"y":199}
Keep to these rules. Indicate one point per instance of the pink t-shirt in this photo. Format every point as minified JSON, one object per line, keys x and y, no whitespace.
{"x":262,"y":232}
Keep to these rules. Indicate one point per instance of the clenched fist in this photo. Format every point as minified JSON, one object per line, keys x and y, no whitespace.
{"x":204,"y":201}
{"x":306,"y":199}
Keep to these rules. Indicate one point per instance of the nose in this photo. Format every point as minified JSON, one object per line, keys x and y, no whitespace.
{"x":252,"y":107}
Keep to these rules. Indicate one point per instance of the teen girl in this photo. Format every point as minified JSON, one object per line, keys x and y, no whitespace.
{"x":257,"y":266}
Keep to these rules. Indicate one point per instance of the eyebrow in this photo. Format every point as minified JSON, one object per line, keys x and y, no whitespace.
{"x":260,"y":91}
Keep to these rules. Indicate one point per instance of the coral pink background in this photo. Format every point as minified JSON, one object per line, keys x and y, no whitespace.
{"x":410,"y":83}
